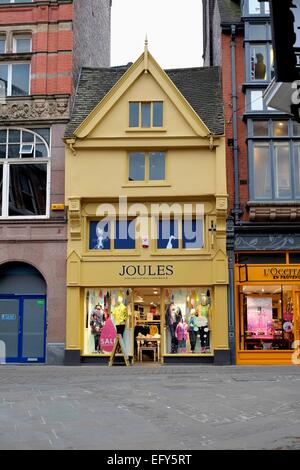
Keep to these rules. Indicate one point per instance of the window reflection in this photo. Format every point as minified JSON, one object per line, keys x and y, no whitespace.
{"x":27,"y":190}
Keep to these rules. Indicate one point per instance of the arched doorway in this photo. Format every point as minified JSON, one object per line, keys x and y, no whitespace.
{"x":23,"y":300}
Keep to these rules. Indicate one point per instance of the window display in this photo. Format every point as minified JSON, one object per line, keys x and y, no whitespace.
{"x":267,"y":318}
{"x":188,"y":321}
{"x":108,"y":313}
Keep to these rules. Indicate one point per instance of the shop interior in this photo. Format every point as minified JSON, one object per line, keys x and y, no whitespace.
{"x":147,"y":331}
{"x":267,"y":317}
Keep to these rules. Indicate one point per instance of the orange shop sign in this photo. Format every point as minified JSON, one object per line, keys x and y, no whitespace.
{"x":249,"y":273}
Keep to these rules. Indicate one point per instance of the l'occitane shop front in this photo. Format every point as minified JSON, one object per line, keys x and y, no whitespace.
{"x":267,"y":310}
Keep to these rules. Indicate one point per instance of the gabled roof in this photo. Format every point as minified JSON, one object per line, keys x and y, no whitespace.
{"x":200,"y":86}
{"x":230,"y":11}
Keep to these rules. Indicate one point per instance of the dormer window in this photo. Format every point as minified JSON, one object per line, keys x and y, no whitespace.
{"x":145,"y":114}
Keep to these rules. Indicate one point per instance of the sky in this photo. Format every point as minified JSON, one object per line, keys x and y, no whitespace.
{"x":173,"y":28}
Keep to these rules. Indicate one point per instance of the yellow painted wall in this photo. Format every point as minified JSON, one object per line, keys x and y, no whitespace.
{"x":97,"y":172}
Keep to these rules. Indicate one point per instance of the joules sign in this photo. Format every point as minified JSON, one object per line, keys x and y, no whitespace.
{"x":146,"y":271}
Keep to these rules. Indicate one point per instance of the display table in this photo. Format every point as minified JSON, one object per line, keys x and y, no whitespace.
{"x":148,"y":343}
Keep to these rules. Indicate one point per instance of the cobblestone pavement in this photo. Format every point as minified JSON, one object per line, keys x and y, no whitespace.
{"x":171,"y":407}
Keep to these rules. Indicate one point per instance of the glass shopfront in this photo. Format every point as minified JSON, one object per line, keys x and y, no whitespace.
{"x":267,"y":309}
{"x":267,"y":317}
{"x":153,"y":321}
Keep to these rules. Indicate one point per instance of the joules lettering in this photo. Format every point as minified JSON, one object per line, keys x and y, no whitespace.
{"x":146,"y":270}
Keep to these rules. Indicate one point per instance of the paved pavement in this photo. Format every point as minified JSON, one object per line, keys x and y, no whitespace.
{"x":170,"y":407}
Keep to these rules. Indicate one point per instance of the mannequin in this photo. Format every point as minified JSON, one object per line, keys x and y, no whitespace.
{"x":181,"y":334}
{"x":120,"y":315}
{"x":193,"y":329}
{"x":203,"y":323}
{"x":173,"y":315}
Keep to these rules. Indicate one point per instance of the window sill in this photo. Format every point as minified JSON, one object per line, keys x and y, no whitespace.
{"x":15,"y":56}
{"x":146,"y":129}
{"x":158,"y":184}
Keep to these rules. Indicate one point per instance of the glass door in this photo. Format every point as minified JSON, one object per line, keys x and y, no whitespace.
{"x":23,"y":329}
{"x":9,"y":329}
{"x":33,"y":329}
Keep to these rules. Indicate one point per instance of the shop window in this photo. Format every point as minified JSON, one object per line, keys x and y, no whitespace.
{"x":146,"y":115}
{"x":187,"y":235}
{"x":266,"y":318}
{"x":100,"y":235}
{"x":108,"y":313}
{"x":125,"y":235}
{"x":188,"y":320}
{"x":168,"y":235}
{"x":25,"y":158}
{"x":192,"y":234}
{"x":116,"y":235}
{"x":147,"y":166}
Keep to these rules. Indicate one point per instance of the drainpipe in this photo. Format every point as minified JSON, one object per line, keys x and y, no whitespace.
{"x":234,"y":219}
{"x":236,"y":210}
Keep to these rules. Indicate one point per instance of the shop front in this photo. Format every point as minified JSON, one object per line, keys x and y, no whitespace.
{"x":157,"y":308}
{"x":267,"y":311}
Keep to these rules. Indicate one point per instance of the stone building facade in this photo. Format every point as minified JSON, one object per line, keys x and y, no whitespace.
{"x":43,"y":44}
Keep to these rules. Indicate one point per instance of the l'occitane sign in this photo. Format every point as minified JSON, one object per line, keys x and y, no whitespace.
{"x":269,"y":273}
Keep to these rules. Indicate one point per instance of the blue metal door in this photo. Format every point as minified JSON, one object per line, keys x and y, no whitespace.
{"x":23,"y":327}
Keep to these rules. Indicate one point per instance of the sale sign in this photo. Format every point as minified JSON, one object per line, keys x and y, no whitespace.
{"x":108,"y":336}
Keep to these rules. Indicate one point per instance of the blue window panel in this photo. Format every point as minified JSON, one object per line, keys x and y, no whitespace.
{"x":168,"y":235}
{"x":125,"y":235}
{"x":192,"y":234}
{"x":134,"y":114}
{"x":157,"y":114}
{"x":99,"y":235}
{"x":157,"y":166}
{"x":136,"y":166}
{"x":146,"y":115}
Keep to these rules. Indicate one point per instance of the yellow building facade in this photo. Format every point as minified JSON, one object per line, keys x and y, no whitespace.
{"x":147,"y":205}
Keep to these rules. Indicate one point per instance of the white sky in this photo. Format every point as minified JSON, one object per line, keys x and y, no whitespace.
{"x":173,"y":27}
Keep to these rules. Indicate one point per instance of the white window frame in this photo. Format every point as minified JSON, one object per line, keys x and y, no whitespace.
{"x":4,"y":36}
{"x":6,"y":180}
{"x":9,"y":76}
{"x":21,"y":36}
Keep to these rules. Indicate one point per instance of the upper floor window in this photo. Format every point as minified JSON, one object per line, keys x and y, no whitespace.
{"x":147,"y":166}
{"x":2,"y":2}
{"x":255,"y":7}
{"x":175,"y":235}
{"x":24,"y":172}
{"x":257,"y":32}
{"x":2,"y":44}
{"x":255,"y":102}
{"x":21,"y":43}
{"x":148,"y":114}
{"x":260,"y":60}
{"x":274,"y":164}
{"x":15,"y":78}
{"x":112,"y":235}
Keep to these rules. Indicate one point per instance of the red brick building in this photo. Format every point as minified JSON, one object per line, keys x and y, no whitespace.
{"x":263,"y":175}
{"x":43,"y":45}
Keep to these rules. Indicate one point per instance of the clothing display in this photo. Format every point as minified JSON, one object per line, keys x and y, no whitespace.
{"x":120,"y":314}
{"x":181,"y":334}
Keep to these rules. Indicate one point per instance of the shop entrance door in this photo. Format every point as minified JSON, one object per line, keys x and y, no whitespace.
{"x":148,"y":329}
{"x":23,"y":328}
